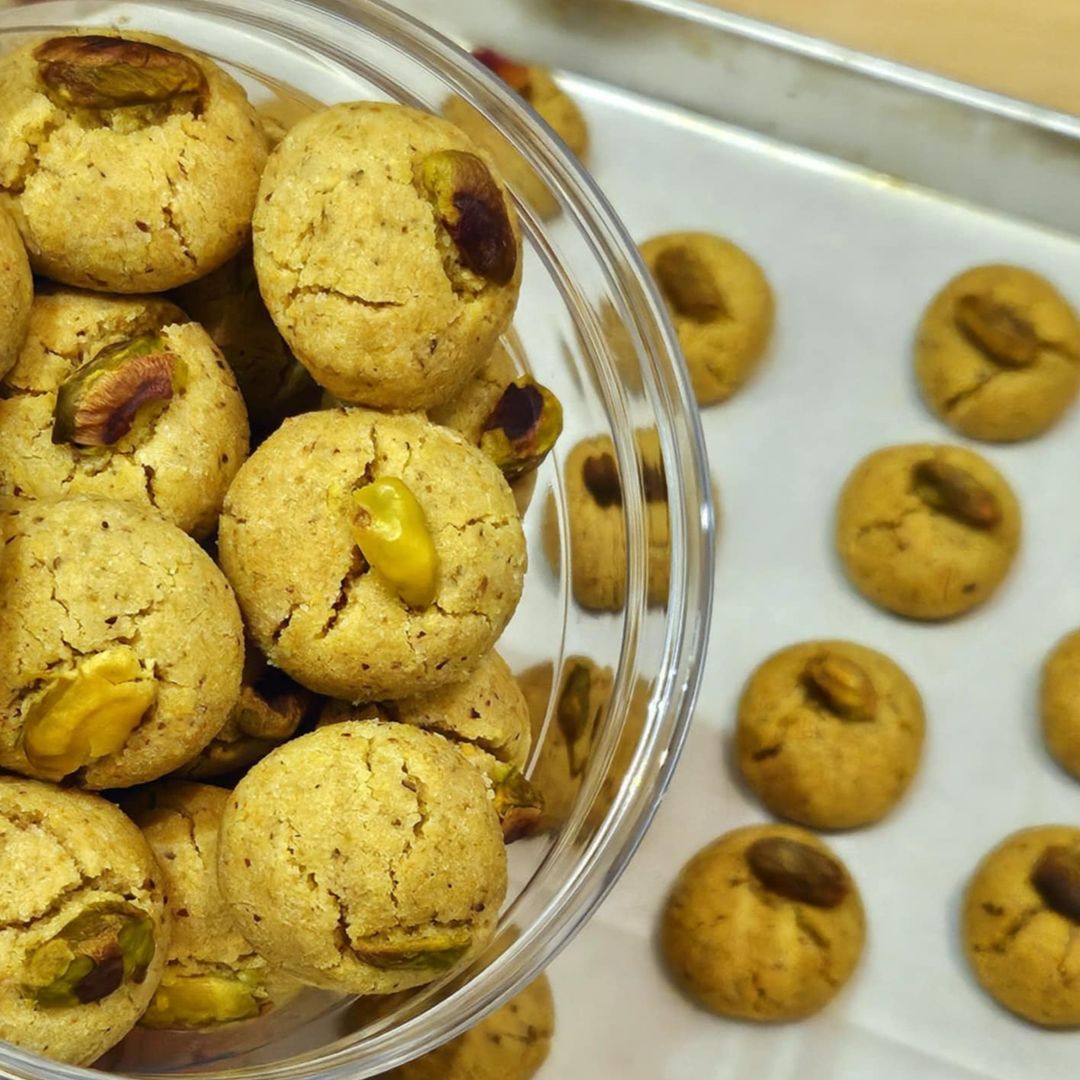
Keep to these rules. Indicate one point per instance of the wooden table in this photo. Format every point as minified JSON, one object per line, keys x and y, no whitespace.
{"x":1027,"y":49}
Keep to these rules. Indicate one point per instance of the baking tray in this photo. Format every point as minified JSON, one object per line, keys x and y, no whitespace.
{"x":861,"y":187}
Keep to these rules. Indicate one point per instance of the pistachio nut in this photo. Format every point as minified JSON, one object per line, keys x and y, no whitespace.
{"x":522,"y":428}
{"x":841,"y":685}
{"x":86,"y":713}
{"x":436,"y":949}
{"x":472,"y":210}
{"x":997,"y":330}
{"x":196,"y":1001}
{"x":272,"y":706}
{"x":797,"y":871}
{"x":514,"y":74}
{"x":101,"y":402}
{"x":393,"y":536}
{"x":517,"y":802}
{"x":688,"y":285}
{"x":573,"y":714}
{"x":601,"y":477}
{"x":954,"y":491}
{"x":1056,"y":877}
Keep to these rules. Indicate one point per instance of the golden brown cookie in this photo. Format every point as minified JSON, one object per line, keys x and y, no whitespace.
{"x":1021,"y":921}
{"x":927,"y":531}
{"x":16,"y":293}
{"x":385,"y":289}
{"x":1061,"y":702}
{"x":829,"y":734}
{"x":721,"y":304}
{"x":765,"y":923}
{"x":998,"y":354}
{"x":131,"y":163}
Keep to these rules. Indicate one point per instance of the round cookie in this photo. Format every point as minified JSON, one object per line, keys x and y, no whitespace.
{"x":16,"y":292}
{"x":721,"y":304}
{"x":364,"y":857}
{"x":1020,"y":920}
{"x":83,"y":928}
{"x":386,"y":290}
{"x":469,"y":410}
{"x":764,"y":923}
{"x":998,"y":354}
{"x":123,"y":644}
{"x":829,"y":734}
{"x":212,"y":975}
{"x":511,"y":1044}
{"x":122,"y":398}
{"x":131,"y":163}
{"x":291,"y":537}
{"x":1060,"y":701}
{"x":927,"y":531}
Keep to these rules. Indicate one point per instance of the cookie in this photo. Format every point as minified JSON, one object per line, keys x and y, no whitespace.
{"x":1021,"y":913}
{"x":83,"y":928}
{"x":123,"y":646}
{"x":121,"y":398}
{"x":1060,"y":703}
{"x":386,"y":291}
{"x":765,"y":923}
{"x":998,"y":354}
{"x":829,"y":734}
{"x":341,"y":610}
{"x":511,"y":1044}
{"x":131,"y":163}
{"x":721,"y":304}
{"x":929,"y":532}
{"x":470,"y":409}
{"x":364,"y":857}
{"x":212,"y":975}
{"x":16,"y":293}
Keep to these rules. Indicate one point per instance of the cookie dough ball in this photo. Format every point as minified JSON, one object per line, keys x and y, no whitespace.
{"x":16,"y":292}
{"x":1021,"y":917}
{"x":764,"y":924}
{"x":123,"y":398}
{"x":721,"y":304}
{"x":211,"y":975}
{"x":121,"y":647}
{"x":333,"y":604}
{"x":364,"y":857}
{"x":998,"y":354}
{"x":927,"y":531}
{"x":1061,"y":703}
{"x":511,"y":1044}
{"x":83,"y":931}
{"x":131,"y":162}
{"x":386,"y":291}
{"x":829,"y":734}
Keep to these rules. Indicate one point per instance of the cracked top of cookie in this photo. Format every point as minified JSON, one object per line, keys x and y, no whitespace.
{"x":131,"y":163}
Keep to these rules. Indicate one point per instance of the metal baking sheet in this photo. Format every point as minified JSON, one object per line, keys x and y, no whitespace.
{"x":860,"y":188}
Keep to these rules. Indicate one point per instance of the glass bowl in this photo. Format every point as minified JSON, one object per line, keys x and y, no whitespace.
{"x":591,"y":327}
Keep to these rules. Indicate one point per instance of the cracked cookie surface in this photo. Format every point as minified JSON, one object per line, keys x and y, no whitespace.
{"x":815,"y":766}
{"x":739,"y":949}
{"x":912,"y":558}
{"x":364,"y":857}
{"x":1025,"y":954}
{"x":179,"y":464}
{"x":67,"y":854}
{"x":355,"y":267}
{"x":16,"y":292}
{"x":311,"y":601}
{"x":977,"y":391}
{"x":110,"y":201}
{"x":1060,"y":702}
{"x":87,"y":578}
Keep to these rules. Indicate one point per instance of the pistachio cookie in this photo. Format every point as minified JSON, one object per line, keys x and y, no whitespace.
{"x":829,"y":734}
{"x":1021,"y":920}
{"x":122,"y":644}
{"x":123,"y":398}
{"x":131,"y":162}
{"x":511,"y":1044}
{"x":364,"y":857}
{"x":927,"y":531}
{"x":16,"y":293}
{"x":721,"y":304}
{"x":388,"y":253}
{"x":375,"y":556}
{"x":212,"y":975}
{"x":1061,"y":703}
{"x":765,"y":923}
{"x":83,"y":928}
{"x":998,"y":354}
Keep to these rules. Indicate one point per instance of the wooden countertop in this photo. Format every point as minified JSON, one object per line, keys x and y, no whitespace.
{"x":1028,"y":50}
